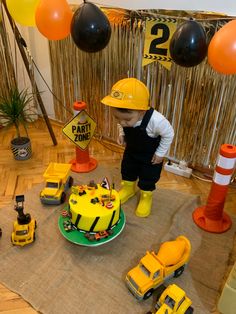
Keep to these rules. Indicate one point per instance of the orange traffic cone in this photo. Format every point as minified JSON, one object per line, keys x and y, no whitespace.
{"x":83,"y":162}
{"x":212,"y":217}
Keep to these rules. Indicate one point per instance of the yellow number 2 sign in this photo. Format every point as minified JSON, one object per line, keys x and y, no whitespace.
{"x":157,"y":40}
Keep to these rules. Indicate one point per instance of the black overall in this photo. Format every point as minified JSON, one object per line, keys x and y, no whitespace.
{"x":140,"y":148}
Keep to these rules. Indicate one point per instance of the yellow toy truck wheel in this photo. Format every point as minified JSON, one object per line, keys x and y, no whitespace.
{"x":63,"y":197}
{"x":148,"y":294}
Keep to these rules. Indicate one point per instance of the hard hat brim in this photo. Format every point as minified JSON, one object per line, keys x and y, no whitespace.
{"x":112,"y":102}
{"x":119,"y":103}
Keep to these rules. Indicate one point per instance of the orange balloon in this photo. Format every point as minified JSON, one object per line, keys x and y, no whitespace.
{"x":222,"y":49}
{"x":53,"y":19}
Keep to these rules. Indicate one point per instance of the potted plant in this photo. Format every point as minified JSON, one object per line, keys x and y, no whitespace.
{"x":14,"y":111}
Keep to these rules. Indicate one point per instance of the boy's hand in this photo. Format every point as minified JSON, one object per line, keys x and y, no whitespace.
{"x":121,"y":140}
{"x":156,"y":159}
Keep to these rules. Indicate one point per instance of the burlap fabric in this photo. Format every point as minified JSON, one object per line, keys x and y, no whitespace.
{"x":57,"y":277}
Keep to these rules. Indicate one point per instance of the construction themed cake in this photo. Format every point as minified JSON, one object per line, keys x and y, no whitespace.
{"x":94,"y":208}
{"x":93,"y":215}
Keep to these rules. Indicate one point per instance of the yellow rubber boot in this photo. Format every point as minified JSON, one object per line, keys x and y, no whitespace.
{"x":127,"y":190}
{"x":145,"y":204}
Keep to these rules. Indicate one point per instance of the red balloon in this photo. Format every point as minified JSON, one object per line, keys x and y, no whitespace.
{"x":222,"y":49}
{"x":53,"y":19}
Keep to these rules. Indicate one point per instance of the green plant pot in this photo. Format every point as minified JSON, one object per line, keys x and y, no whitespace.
{"x":21,"y":148}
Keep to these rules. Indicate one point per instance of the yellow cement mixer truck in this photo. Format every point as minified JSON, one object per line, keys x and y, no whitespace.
{"x":155,"y":268}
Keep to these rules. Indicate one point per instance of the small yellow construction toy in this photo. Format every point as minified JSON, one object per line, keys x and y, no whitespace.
{"x":173,"y":300}
{"x":153,"y":269}
{"x":58,"y":181}
{"x":24,"y":228}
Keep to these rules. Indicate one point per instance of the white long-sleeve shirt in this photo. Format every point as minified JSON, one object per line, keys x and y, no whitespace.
{"x":157,"y":125}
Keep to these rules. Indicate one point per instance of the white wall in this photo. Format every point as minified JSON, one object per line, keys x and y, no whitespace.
{"x":39,"y":50}
{"x":38,"y":44}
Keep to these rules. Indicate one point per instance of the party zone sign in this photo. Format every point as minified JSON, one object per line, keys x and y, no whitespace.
{"x":80,"y":129}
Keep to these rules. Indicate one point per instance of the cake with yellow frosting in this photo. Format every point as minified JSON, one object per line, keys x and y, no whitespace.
{"x":94,"y":208}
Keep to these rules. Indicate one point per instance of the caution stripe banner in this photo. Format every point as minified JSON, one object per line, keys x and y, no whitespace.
{"x":158,"y":33}
{"x":162,"y":19}
{"x":157,"y":58}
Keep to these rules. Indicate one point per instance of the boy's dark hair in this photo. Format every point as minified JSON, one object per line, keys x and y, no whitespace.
{"x":124,"y":110}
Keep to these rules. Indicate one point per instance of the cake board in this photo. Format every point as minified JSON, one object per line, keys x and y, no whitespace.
{"x":78,"y":237}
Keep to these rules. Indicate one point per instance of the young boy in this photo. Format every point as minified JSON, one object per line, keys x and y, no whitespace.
{"x":147,"y":135}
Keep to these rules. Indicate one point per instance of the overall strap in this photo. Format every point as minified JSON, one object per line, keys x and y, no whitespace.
{"x":146,"y":119}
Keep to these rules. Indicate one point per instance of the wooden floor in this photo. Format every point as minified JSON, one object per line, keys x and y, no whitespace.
{"x":16,"y":177}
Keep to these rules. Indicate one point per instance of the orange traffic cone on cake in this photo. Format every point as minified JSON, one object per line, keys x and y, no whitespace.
{"x":80,"y":131}
{"x":212,"y":217}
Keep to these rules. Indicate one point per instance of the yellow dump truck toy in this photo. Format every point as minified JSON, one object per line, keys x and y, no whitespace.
{"x":58,"y":181}
{"x":154,"y":268}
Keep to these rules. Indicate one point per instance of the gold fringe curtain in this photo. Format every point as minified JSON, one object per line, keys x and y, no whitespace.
{"x":200,"y":104}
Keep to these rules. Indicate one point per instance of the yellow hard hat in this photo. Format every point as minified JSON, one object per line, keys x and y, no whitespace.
{"x":128,"y":93}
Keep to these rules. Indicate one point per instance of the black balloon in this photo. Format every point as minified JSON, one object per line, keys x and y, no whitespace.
{"x":90,"y":28}
{"x":188,"y":45}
